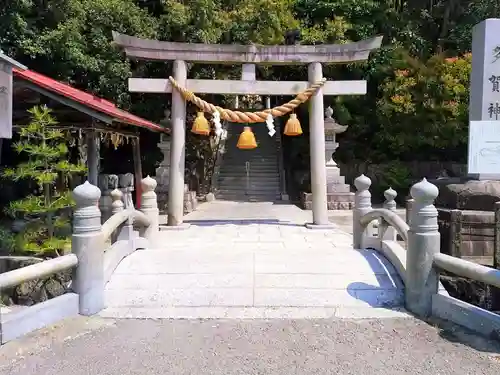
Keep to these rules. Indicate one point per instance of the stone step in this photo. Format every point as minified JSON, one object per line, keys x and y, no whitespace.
{"x":253,"y":175}
{"x":247,"y":198}
{"x":242,"y":164}
{"x":253,"y":182}
{"x":241,"y":161}
{"x":244,"y":190}
{"x":236,"y":168}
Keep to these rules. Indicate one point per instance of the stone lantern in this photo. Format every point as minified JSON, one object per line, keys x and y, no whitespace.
{"x":332,"y":128}
{"x":163,"y":170}
{"x":338,"y":192}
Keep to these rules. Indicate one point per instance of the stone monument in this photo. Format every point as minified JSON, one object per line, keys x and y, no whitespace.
{"x":484,"y":107}
{"x":163,"y":171}
{"x":481,"y":188}
{"x":466,"y":204}
{"x":339,"y":196}
{"x":6,"y":92}
{"x":338,"y":192}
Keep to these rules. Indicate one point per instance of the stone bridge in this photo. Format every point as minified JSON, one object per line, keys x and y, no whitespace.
{"x":251,"y":260}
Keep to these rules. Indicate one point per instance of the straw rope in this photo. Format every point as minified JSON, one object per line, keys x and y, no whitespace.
{"x":249,"y":117}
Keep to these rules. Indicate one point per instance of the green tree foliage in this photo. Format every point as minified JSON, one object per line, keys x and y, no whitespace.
{"x":46,"y":213}
{"x":432,"y":99}
{"x":71,"y":40}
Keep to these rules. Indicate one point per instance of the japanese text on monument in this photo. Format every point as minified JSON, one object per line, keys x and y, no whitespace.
{"x":494,"y":107}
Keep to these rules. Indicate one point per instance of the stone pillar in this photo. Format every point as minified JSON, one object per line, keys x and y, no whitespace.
{"x":125,"y":232}
{"x":87,"y":244}
{"x":409,"y":207}
{"x":317,"y":147}
{"x":362,"y":205}
{"x":107,"y":183}
{"x":126,"y":185}
{"x":163,"y":172}
{"x":389,"y":204}
{"x":177,"y":149}
{"x":422,"y":280}
{"x":149,"y":206}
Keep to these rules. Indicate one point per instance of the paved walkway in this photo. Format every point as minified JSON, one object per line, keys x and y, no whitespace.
{"x":234,"y":347}
{"x":253,"y":260}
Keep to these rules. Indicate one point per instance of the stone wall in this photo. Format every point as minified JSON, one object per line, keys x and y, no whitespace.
{"x":35,"y":291}
{"x":379,"y":174}
{"x":417,"y":170}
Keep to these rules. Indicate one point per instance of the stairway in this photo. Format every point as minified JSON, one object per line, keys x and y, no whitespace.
{"x":262,"y":182}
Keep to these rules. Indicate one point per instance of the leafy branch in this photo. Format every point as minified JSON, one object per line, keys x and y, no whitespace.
{"x":47,"y":213}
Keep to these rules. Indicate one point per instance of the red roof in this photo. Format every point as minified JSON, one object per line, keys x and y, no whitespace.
{"x":89,"y":100}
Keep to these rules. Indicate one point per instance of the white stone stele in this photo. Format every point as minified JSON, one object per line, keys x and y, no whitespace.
{"x":484,"y":103}
{"x":484,"y":148}
{"x":5,"y":100}
{"x":485,"y":66}
{"x":6,"y":93}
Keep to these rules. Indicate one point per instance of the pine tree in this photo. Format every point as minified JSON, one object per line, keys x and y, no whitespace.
{"x":46,"y":212}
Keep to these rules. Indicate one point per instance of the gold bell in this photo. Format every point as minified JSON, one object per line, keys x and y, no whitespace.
{"x":247,"y":139}
{"x":200,"y":125}
{"x":292,"y":127}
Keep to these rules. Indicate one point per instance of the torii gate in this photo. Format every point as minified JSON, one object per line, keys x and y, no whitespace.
{"x":248,"y":55}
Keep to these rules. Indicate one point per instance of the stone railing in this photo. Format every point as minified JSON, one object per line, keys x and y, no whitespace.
{"x":97,"y":249}
{"x":420,"y":261}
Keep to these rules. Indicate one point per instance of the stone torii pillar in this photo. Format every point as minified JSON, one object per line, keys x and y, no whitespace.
{"x":247,"y":55}
{"x":175,"y":207}
{"x":317,"y":147}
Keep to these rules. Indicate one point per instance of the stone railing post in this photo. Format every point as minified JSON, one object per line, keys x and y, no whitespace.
{"x":107,"y":183}
{"x":409,"y":206}
{"x":362,"y":205}
{"x":149,"y":206}
{"x":117,"y":204}
{"x":88,"y":246}
{"x":389,"y":233}
{"x":422,"y":280}
{"x":125,"y":232}
{"x":126,"y":185}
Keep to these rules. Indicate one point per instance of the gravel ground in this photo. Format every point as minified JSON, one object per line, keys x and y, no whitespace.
{"x":391,"y":346}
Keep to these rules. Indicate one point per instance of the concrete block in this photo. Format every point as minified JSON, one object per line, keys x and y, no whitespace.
{"x":19,"y":323}
{"x":466,"y":315}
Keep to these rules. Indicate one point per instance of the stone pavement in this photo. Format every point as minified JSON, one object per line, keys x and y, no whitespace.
{"x":86,"y":346}
{"x":253,"y":260}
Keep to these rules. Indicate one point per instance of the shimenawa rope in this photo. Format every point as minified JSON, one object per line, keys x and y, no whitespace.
{"x":249,"y":117}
